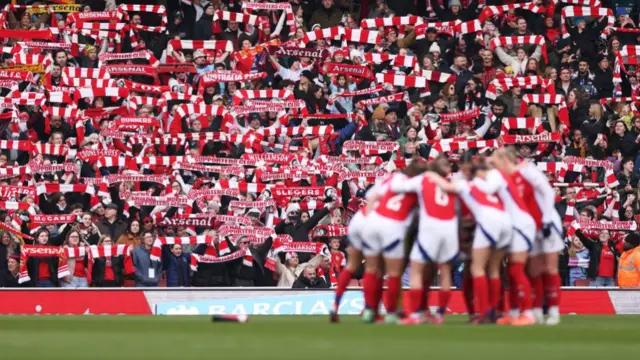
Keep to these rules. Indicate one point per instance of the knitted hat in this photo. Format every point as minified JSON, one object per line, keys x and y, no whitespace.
{"x":434,"y":48}
{"x":454,"y":3}
{"x":378,"y":113}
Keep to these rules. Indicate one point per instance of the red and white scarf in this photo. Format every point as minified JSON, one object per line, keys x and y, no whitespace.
{"x":563,"y":113}
{"x":156,"y":250}
{"x":516,"y":40}
{"x":41,"y":252}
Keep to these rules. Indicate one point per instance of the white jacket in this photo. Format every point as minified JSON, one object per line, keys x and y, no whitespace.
{"x":519,"y":67}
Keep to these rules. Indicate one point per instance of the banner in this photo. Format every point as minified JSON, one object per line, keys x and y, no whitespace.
{"x":268,"y":301}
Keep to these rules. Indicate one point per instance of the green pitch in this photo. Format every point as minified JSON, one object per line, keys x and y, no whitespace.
{"x":306,"y":338}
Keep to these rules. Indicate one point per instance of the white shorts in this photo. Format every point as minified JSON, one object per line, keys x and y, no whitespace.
{"x":494,"y":234}
{"x":382,"y":236}
{"x":354,"y":230}
{"x":553,"y":244}
{"x":524,"y":234}
{"x":436,"y":243}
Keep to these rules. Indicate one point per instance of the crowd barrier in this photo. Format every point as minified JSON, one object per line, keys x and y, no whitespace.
{"x":258,"y":301}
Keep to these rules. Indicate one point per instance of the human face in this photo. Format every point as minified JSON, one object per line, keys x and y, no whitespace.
{"x":293,"y":260}
{"x":583,"y":66}
{"x":304,"y":217}
{"x":233,"y":25}
{"x":619,"y":129}
{"x":135,"y":227}
{"x":604,"y":63}
{"x":571,"y":98}
{"x":577,"y":136}
{"x":521,"y":54}
{"x":565,"y":75}
{"x":548,"y":22}
{"x":107,"y":241}
{"x":327,"y":3}
{"x":571,"y":194}
{"x":411,"y":134}
{"x":148,"y":239}
{"x":176,"y":250}
{"x":246,"y":45}
{"x":177,"y":188}
{"x":86,"y":220}
{"x":56,"y":71}
{"x":6,"y":239}
{"x":460,"y":61}
{"x":43,"y":238}
{"x":553,"y":75}
{"x":74,"y":238}
{"x":522,"y":25}
{"x":584,"y":216}
{"x":604,"y":236}
{"x":13,"y":265}
{"x":628,"y":166}
{"x":577,"y":243}
{"x":110,"y":213}
{"x":334,"y":244}
{"x":310,"y":273}
{"x":615,"y":45}
{"x":196,"y":125}
{"x":57,"y":139}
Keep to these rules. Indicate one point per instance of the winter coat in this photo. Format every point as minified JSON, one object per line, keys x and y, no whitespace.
{"x":288,"y":276}
{"x":144,"y":267}
{"x":304,"y":283}
{"x":177,"y":270}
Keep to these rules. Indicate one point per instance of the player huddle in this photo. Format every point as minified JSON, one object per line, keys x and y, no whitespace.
{"x":490,"y":209}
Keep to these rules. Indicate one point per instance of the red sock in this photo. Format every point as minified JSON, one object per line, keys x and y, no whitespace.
{"x":443,"y":301}
{"x":369,"y":281}
{"x":467,"y":292}
{"x":378,"y":292}
{"x":343,"y":281}
{"x":415,"y":301}
{"x":391,"y":297}
{"x":537,"y":291}
{"x":522,"y":287}
{"x":495,"y":293}
{"x":480,"y":294}
{"x":552,"y":289}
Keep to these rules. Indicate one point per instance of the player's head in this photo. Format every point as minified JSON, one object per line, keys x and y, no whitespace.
{"x":441,"y":166}
{"x":479,"y":167}
{"x":415,"y":168}
{"x":466,"y":164}
{"x":504,"y":158}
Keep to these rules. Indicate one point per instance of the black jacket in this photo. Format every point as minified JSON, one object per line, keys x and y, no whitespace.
{"x":298,"y":230}
{"x":603,"y":82}
{"x":216,"y":274}
{"x":33,"y":268}
{"x":4,"y":270}
{"x":97,"y":271}
{"x":586,"y":41}
{"x":115,"y":229}
{"x":304,"y":283}
{"x":629,"y":145}
{"x":244,"y":275}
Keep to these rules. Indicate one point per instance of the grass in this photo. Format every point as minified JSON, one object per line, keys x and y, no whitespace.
{"x":310,"y":337}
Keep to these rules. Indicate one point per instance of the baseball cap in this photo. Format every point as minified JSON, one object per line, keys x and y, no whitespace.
{"x":112,"y":206}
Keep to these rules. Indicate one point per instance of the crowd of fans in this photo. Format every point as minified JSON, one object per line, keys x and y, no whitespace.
{"x":207,"y":161}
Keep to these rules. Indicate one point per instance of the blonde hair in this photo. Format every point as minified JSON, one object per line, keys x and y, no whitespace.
{"x":596,"y":110}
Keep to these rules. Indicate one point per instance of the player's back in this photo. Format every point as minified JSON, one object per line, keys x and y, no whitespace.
{"x":526,"y":178}
{"x":483,"y":206}
{"x":511,"y":196}
{"x":392,"y":205}
{"x":436,"y":205}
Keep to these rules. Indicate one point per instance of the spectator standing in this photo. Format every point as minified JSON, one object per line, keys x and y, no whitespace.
{"x":111,"y":225}
{"x":132,"y":236}
{"x":176,"y":265}
{"x":88,"y":229}
{"x":629,"y":264}
{"x":327,"y":15}
{"x":147,"y":271}
{"x":107,"y":272}
{"x":43,"y":271}
{"x":578,"y":264}
{"x":10,"y":276}
{"x":602,"y":264}
{"x":292,"y":269}
{"x":77,"y":265}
